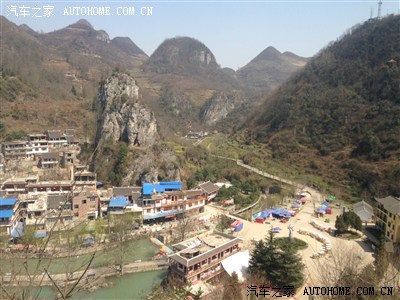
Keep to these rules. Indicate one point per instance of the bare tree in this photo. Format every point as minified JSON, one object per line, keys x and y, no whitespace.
{"x":185,"y":224}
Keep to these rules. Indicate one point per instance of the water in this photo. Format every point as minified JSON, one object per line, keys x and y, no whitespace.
{"x":129,"y":286}
{"x":133,"y":250}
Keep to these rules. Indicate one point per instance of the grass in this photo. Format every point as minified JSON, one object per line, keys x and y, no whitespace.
{"x":296,"y":243}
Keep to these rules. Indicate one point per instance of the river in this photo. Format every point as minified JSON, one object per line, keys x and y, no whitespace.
{"x":129,"y":286}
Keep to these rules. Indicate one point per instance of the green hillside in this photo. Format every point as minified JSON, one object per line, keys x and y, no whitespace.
{"x":342,"y":111}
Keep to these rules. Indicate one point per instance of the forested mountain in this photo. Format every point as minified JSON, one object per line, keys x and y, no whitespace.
{"x":343,"y":106}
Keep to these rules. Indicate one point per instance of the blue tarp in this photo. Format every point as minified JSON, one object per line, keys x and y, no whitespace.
{"x":40,"y":234}
{"x":18,"y":230}
{"x":150,"y":188}
{"x":6,"y":213}
{"x":160,"y":215}
{"x":119,"y":201}
{"x":265,"y":214}
{"x":276,"y":229}
{"x":7,"y":201}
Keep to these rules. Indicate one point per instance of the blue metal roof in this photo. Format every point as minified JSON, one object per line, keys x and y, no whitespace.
{"x":7,"y":201}
{"x":119,"y":201}
{"x":6,"y":213}
{"x":150,"y":188}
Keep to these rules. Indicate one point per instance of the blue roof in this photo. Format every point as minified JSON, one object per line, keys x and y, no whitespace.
{"x":6,"y":213}
{"x":149,"y":188}
{"x":119,"y":201}
{"x":7,"y":201}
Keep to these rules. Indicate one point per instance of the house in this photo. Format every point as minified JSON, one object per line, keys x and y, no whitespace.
{"x":56,"y":202}
{"x":7,"y":206}
{"x":37,"y":145}
{"x":50,"y":187}
{"x":117,"y":205}
{"x":85,"y":204}
{"x":364,"y":211}
{"x":17,"y":149}
{"x":15,"y":186}
{"x":388,"y":217}
{"x":55,"y":138}
{"x":49,"y":160}
{"x":36,"y":212}
{"x":85,"y":179}
{"x":132,"y":193}
{"x":210,"y":189}
{"x":68,"y":158}
{"x":170,"y":204}
{"x":200,"y":258}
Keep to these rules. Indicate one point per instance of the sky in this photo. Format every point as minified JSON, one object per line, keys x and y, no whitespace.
{"x":235,"y":31}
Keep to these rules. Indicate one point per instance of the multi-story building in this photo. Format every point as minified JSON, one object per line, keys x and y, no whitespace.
{"x":49,"y":160}
{"x":85,"y":179}
{"x":15,"y":149}
{"x":85,"y":204}
{"x":200,"y":258}
{"x":169,"y":204}
{"x":16,"y":186}
{"x":388,"y":217}
{"x":7,"y":206}
{"x":51,"y":187}
{"x":37,"y":144}
{"x":56,"y":139}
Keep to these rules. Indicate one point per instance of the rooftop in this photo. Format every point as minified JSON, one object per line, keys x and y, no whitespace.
{"x":391,"y":204}
{"x":119,"y":201}
{"x":7,"y":201}
{"x":150,"y":188}
{"x":209,"y":187}
{"x":363,"y":210}
{"x":6,"y":213}
{"x":203,"y":246}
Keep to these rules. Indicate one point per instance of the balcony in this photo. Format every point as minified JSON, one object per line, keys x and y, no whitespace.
{"x":204,"y":267}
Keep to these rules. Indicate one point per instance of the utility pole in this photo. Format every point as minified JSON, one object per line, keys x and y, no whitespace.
{"x":379,"y":8}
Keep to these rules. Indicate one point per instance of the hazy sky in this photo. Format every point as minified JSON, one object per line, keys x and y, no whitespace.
{"x":235,"y":31}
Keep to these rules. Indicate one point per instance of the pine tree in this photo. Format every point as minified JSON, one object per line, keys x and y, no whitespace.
{"x":381,"y":262}
{"x":278,"y":264}
{"x":232,"y":288}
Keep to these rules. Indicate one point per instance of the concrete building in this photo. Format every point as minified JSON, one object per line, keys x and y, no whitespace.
{"x":388,"y":217}
{"x":200,"y":258}
{"x":15,"y":149}
{"x":37,"y":145}
{"x":7,"y":213}
{"x":85,"y":204}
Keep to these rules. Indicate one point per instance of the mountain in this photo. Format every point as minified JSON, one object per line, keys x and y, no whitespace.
{"x":270,"y":68}
{"x":182,"y":55}
{"x":42,"y":72}
{"x":339,"y":116}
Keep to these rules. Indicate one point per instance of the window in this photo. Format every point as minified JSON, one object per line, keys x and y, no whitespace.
{"x":76,"y":206}
{"x":83,"y":201}
{"x":92,"y":198}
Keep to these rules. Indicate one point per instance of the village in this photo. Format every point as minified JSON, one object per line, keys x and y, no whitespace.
{"x":157,"y":209}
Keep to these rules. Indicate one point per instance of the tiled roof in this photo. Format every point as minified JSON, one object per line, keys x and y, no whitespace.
{"x":209,"y":187}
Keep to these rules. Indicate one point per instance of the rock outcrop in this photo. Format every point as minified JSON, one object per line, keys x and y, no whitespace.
{"x":121,"y":116}
{"x":218,"y":107}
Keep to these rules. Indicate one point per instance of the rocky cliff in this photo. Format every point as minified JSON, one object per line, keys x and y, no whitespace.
{"x":122,"y":117}
{"x":128,"y":145}
{"x":218,"y":107}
